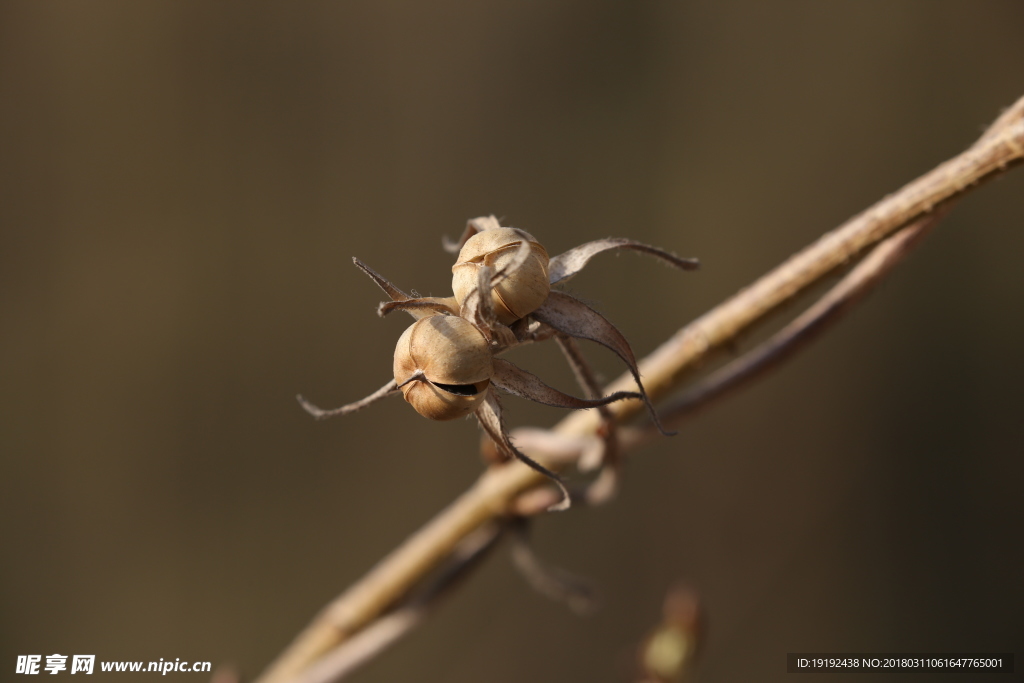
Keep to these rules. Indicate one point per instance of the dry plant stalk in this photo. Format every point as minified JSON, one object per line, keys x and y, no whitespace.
{"x":446,"y":365}
{"x":496,"y":491}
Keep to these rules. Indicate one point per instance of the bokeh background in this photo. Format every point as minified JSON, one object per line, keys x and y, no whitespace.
{"x":183,"y":187}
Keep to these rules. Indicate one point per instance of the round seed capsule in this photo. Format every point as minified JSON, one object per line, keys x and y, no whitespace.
{"x":443,"y":366}
{"x":521,"y":292}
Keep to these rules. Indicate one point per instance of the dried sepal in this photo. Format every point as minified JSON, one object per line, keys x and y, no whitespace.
{"x":489,"y":415}
{"x":394,"y":292}
{"x":473,"y":226}
{"x":418,"y":307}
{"x":510,"y":259}
{"x":421,"y":307}
{"x":479,"y":310}
{"x":515,"y":380}
{"x":321,"y":414}
{"x":565,"y":266}
{"x":608,"y":430}
{"x":477,"y":306}
{"x":574,"y":318}
{"x":533,"y":502}
{"x":607,"y":458}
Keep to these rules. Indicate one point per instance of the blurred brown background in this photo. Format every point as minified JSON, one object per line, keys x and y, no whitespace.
{"x":184,"y":184}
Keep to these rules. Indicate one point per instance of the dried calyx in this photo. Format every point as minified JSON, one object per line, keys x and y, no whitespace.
{"x":445,"y":364}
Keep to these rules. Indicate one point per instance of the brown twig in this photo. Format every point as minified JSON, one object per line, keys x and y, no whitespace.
{"x":806,"y":327}
{"x":999,"y":148}
{"x":491,"y":496}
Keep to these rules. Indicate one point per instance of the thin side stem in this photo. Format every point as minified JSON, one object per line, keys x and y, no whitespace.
{"x":857,"y":284}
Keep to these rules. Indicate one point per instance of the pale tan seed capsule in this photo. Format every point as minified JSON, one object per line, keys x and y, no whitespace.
{"x":522,"y":291}
{"x":452,"y":361}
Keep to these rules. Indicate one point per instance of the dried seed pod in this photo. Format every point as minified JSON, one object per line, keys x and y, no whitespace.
{"x":521,"y":289}
{"x":443,"y":366}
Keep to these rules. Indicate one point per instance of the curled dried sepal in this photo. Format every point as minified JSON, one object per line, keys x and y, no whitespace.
{"x":420,"y":308}
{"x":573,"y":317}
{"x":473,"y":226}
{"x":321,"y":414}
{"x":479,"y":310}
{"x":564,"y":266}
{"x":520,"y":252}
{"x":515,"y":380}
{"x":489,"y":415}
{"x":478,"y":307}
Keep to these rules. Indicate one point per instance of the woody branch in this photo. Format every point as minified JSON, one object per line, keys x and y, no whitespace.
{"x":495,"y":492}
